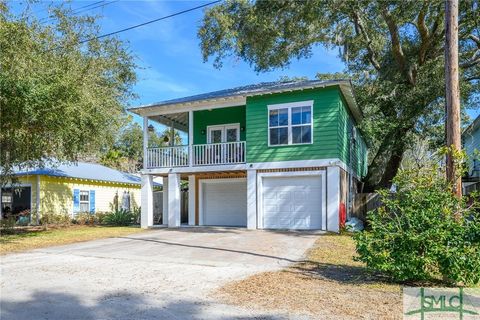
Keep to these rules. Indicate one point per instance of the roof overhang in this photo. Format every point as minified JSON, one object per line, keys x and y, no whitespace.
{"x":241,"y":99}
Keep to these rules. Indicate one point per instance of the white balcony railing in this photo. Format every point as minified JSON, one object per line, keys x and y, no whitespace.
{"x":166,"y":157}
{"x":203,"y":154}
{"x":219,"y":153}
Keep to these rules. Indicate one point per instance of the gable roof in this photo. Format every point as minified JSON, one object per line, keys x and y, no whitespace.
{"x":255,"y":90}
{"x":472,"y":126}
{"x":83,"y":170}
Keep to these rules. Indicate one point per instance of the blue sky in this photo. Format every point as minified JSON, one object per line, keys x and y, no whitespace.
{"x":169,"y":54}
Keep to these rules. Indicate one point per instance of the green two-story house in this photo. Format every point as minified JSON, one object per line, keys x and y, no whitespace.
{"x":282,"y":155}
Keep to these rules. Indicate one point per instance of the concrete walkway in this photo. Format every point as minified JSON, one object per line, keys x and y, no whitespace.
{"x":159,"y":274}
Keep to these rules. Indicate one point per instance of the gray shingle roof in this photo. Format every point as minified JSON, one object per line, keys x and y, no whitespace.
{"x":83,"y":170}
{"x":257,"y":89}
{"x":252,"y":89}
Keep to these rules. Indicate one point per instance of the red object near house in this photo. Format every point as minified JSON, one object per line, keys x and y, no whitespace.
{"x":343,"y":214}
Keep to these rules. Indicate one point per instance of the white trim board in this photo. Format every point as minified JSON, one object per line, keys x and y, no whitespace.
{"x":190,"y":106}
{"x":255,"y":165}
{"x":289,"y":106}
{"x":320,"y":173}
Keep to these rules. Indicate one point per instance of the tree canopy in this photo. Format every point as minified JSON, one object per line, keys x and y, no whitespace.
{"x":126,"y":152}
{"x":62,"y":91}
{"x":393,"y":51}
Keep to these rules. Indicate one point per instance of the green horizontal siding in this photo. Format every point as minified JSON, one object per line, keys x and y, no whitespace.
{"x":354,"y":155}
{"x":325,"y":126}
{"x":204,"y":118}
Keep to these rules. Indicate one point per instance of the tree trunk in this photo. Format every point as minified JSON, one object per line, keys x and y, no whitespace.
{"x":452,"y":93}
{"x":389,"y":157}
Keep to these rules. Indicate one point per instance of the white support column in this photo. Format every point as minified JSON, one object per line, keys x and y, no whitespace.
{"x":173,"y":200}
{"x":333,"y":199}
{"x":190,"y":138}
{"x":146,"y":220}
{"x":145,"y":141}
{"x":252,"y":199}
{"x":165,"y":201}
{"x":37,"y":202}
{"x":191,"y":200}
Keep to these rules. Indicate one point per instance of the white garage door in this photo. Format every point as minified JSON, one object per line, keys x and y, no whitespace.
{"x":292,"y":202}
{"x":225,"y":202}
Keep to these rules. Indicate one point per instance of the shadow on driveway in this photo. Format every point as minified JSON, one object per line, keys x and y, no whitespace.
{"x":117,"y":305}
{"x":211,"y":248}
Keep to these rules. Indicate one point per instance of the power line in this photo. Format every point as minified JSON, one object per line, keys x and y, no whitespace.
{"x":78,"y":10}
{"x":141,"y":24}
{"x":149,"y":22}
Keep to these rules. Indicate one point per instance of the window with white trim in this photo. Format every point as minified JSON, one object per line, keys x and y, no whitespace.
{"x":290,"y":123}
{"x":84,"y":201}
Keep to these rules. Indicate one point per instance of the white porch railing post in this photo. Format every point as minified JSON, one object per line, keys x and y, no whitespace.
{"x":145,"y":142}
{"x":190,"y":138}
{"x":194,"y":155}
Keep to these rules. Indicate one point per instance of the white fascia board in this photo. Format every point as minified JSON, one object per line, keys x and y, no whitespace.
{"x":347,"y":91}
{"x":255,"y":166}
{"x":190,"y":106}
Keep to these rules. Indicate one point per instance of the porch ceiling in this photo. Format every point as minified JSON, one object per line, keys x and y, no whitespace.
{"x":178,"y":121}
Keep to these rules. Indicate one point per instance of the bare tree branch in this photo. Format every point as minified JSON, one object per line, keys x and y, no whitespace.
{"x":475,"y":39}
{"x":360,"y":30}
{"x":424,"y":34}
{"x":396,"y":46}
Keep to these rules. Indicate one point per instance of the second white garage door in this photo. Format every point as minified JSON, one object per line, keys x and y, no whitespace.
{"x":224,"y":202}
{"x":292,"y":202}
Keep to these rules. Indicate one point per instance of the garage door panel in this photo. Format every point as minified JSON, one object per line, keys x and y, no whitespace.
{"x":225,"y":203}
{"x":292,"y":202}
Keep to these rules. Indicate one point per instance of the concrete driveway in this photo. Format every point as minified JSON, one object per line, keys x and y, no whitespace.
{"x":159,"y":274}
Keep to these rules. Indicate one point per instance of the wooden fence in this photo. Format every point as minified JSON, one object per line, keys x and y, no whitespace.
{"x":158,"y":207}
{"x":364,"y":202}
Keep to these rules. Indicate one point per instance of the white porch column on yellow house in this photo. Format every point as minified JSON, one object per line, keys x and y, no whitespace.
{"x":333,"y":199}
{"x":251,"y":199}
{"x":146,"y":220}
{"x":165,"y":201}
{"x":173,"y":200}
{"x":37,"y":201}
{"x":191,"y":200}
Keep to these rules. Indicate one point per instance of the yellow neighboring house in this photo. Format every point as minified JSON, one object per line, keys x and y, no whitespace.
{"x":68,"y":189}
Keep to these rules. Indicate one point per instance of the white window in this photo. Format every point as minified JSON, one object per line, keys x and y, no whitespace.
{"x":290,"y":123}
{"x":84,"y":201}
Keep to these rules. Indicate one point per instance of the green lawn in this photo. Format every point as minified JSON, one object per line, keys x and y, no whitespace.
{"x":33,"y":238}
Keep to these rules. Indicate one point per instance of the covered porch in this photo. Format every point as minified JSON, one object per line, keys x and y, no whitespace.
{"x":177,"y":148}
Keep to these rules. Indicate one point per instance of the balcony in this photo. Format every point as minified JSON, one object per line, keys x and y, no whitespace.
{"x":224,"y":153}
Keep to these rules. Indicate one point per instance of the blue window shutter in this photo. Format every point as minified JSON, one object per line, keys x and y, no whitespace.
{"x":92,"y":201}
{"x":76,"y":200}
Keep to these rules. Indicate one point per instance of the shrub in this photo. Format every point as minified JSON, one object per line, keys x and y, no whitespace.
{"x":119,"y":218}
{"x":49,"y":218}
{"x":423,"y":232}
{"x":100,"y":217}
{"x":83,"y":218}
{"x":7,"y":225}
{"x":136,"y":214}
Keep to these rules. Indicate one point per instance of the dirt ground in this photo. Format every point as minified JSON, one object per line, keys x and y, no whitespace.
{"x":329,"y":284}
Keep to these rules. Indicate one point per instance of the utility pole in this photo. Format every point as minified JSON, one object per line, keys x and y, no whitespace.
{"x":452,"y":93}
